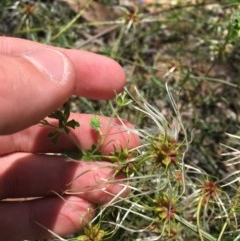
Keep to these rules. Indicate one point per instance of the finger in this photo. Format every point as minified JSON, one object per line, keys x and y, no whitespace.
{"x":32,"y":87}
{"x":98,"y":77}
{"x":31,"y":219}
{"x":31,"y":175}
{"x":115,"y":134}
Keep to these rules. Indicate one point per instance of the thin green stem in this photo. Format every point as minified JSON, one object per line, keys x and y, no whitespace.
{"x":198,"y":217}
{"x":189,"y":225}
{"x":222,"y":231}
{"x":66,"y":27}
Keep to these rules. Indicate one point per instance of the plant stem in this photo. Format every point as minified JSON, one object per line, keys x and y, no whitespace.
{"x":189,"y":225}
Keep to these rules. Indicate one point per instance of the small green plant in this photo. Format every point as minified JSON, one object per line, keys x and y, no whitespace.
{"x":63,"y":125}
{"x":168,"y":199}
{"x":91,"y":233}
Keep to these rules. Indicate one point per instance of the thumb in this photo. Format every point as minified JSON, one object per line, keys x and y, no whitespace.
{"x":32,"y":86}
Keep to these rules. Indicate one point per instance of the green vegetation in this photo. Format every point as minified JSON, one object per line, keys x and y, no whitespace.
{"x":182,"y":63}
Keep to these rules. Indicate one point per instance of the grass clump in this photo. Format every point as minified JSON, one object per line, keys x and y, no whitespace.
{"x":168,"y":199}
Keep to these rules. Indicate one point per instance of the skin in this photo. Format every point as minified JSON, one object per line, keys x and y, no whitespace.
{"x":55,"y":193}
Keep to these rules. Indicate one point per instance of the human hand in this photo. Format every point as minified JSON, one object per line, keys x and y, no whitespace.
{"x":28,"y":94}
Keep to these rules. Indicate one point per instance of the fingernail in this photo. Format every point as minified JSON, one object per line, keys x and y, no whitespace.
{"x":52,"y":62}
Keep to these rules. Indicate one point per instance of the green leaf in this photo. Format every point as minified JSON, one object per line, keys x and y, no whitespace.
{"x":122,"y":100}
{"x":73,"y":124}
{"x":66,"y":112}
{"x":54,"y":135}
{"x":95,"y":123}
{"x":62,"y":116}
{"x":57,"y":114}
